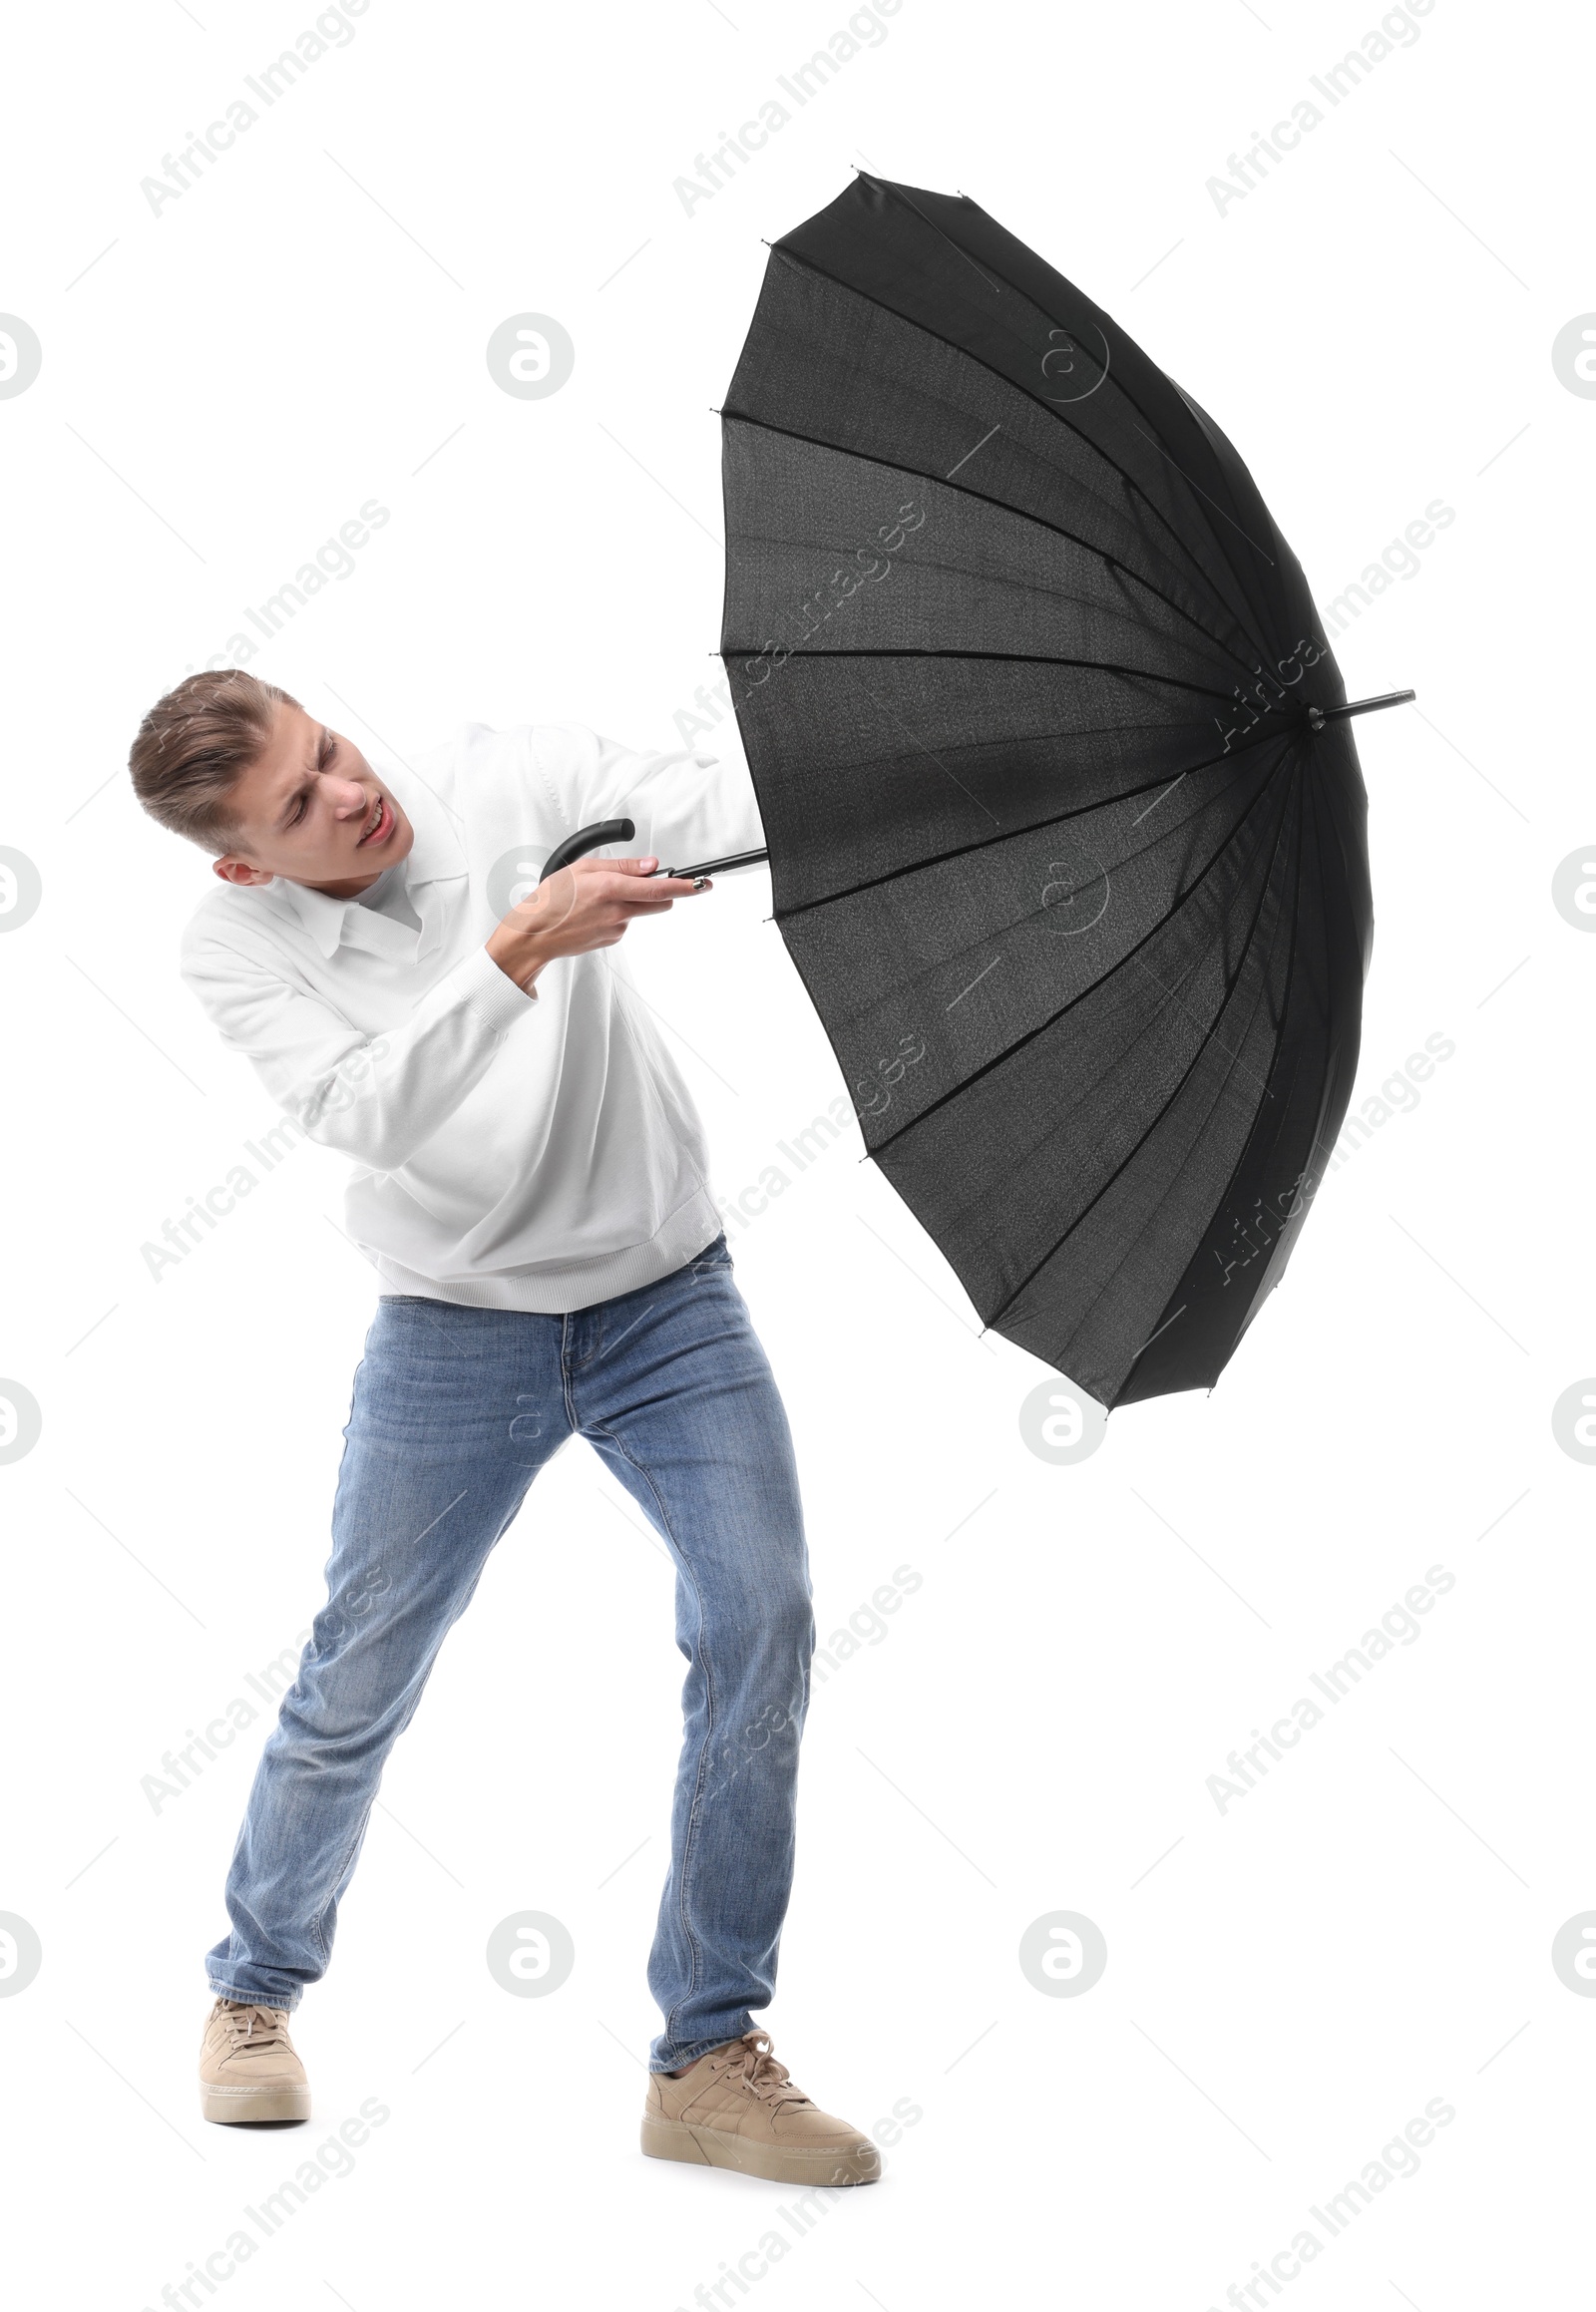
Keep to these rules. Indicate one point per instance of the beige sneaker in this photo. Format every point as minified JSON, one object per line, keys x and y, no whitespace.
{"x":247,"y":2066}
{"x":737,"y":2108}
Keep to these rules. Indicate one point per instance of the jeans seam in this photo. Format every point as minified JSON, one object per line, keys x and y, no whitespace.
{"x":565,"y":1373}
{"x":690,"y":1833}
{"x":319,"y":1918}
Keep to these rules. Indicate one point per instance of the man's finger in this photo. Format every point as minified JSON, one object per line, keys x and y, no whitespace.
{"x":659,"y":890}
{"x":674,"y":885}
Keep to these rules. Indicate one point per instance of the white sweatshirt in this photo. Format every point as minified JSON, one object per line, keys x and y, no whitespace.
{"x":513,"y":1151}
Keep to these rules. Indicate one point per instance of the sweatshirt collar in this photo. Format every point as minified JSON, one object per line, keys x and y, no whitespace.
{"x":437,"y":856}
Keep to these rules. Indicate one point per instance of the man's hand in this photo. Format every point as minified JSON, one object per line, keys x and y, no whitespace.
{"x":584,"y":906}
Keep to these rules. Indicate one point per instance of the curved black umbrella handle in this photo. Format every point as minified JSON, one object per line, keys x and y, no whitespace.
{"x":585,"y":839}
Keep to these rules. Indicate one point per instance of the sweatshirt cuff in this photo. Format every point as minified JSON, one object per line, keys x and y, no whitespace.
{"x":491,"y":994}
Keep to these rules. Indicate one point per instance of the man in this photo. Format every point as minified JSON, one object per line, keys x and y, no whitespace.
{"x":529,"y":1186}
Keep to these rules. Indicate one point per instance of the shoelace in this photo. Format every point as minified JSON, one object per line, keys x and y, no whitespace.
{"x":262,"y":2027}
{"x":752,"y":2063}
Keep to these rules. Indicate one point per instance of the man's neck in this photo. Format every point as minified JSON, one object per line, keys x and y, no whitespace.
{"x":350,"y":888}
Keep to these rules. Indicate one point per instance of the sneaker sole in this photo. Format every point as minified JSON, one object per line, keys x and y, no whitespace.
{"x":233,"y":2106}
{"x":708,"y":2147}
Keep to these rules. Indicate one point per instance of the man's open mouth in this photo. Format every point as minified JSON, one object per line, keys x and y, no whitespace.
{"x":379,"y":828}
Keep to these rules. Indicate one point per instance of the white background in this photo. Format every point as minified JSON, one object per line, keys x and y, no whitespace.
{"x":1289,"y":1982}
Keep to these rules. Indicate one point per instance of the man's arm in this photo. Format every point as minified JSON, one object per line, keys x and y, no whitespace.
{"x":378,"y":1097}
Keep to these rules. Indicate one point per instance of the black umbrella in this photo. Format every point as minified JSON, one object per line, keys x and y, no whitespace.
{"x":1066,"y":826}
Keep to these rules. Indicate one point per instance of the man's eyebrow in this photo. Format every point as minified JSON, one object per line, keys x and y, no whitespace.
{"x":323,"y":740}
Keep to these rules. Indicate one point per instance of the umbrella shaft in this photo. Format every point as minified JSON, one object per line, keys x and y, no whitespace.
{"x":1368,"y":705}
{"x":1325,"y":713}
{"x":713,"y":866}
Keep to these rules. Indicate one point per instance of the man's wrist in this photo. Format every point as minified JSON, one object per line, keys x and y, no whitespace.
{"x":519,"y":957}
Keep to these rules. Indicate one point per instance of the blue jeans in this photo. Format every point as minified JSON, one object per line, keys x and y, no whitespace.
{"x":455,"y":1411}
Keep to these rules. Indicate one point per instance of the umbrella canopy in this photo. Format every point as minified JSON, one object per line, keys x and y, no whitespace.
{"x":1067,"y":831}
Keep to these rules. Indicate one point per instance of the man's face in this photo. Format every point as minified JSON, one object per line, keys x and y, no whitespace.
{"x":311,"y":809}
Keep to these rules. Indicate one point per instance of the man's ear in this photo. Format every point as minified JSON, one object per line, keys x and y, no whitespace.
{"x":232,"y":869}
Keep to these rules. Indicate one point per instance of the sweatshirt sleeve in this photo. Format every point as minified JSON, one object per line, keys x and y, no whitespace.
{"x":375,"y":1097}
{"x":687,"y":804}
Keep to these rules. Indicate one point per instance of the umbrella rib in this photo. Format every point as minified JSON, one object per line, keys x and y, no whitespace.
{"x":898,"y":194}
{"x":1109,"y":1281}
{"x":931,"y":757}
{"x":1033,"y":827}
{"x":1002,"y":505}
{"x":1340,"y":847}
{"x":976,"y":945}
{"x":1329,"y":836}
{"x":1015,"y":657}
{"x":1042,"y":1025}
{"x":1099,"y":324}
{"x":1202,"y":493}
{"x":1315,"y":801}
{"x":1118,"y":380}
{"x":1290,"y":975}
{"x":1320,"y":835}
{"x":1037,"y":401}
{"x":1210,"y":1031}
{"x":1132,"y":1154}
